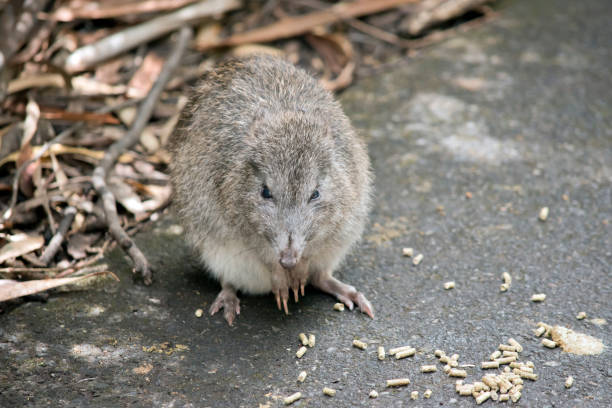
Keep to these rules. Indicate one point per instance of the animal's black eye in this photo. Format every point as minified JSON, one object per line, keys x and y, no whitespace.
{"x":315,"y":195}
{"x":265,"y":192}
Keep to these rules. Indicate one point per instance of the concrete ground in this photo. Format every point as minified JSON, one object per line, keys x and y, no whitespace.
{"x":517,"y":113}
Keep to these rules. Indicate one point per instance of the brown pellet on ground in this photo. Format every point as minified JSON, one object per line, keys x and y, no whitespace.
{"x":407,"y":252}
{"x":540,"y":331}
{"x":414,"y":395}
{"x":311,"y":340}
{"x":339,"y":307}
{"x":303,"y":339}
{"x":515,"y":397}
{"x":467,"y":389}
{"x":569,"y":381}
{"x":301,"y":351}
{"x":417,"y":259}
{"x":581,"y":315}
{"x":549,"y":343}
{"x":543,"y":215}
{"x":506,"y":360}
{"x":405,"y":353}
{"x":199,"y":313}
{"x":398,"y":382}
{"x":483,"y":397}
{"x":489,"y":364}
{"x":506,"y":347}
{"x":330,"y":392}
{"x":381,"y":353}
{"x":538,"y":297}
{"x":394,"y":350}
{"x":292,"y":398}
{"x":517,"y":347}
{"x":496,"y":354}
{"x":373,"y":394}
{"x":504,"y":397}
{"x":455,"y":372}
{"x":428,"y":368}
{"x":302,"y":376}
{"x":449,"y":285}
{"x":427,"y":394}
{"x":360,"y":344}
{"x":439,"y":353}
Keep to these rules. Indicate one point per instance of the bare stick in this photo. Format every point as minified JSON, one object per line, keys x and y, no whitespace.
{"x":122,"y":41}
{"x":141,"y":265}
{"x":438,"y":11}
{"x":292,"y":26}
{"x":58,"y":238}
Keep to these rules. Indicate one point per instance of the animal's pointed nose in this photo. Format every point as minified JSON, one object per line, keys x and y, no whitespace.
{"x":288,"y":258}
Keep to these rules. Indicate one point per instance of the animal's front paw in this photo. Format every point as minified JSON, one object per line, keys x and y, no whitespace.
{"x":280,"y":287}
{"x":298,"y":277}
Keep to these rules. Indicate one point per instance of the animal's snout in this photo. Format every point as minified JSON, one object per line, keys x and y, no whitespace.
{"x":288,"y":258}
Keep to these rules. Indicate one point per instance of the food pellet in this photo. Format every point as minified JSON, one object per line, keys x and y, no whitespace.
{"x":525,"y":374}
{"x":538,"y":297}
{"x":489,"y":364}
{"x":397,"y":349}
{"x":428,"y":369}
{"x":453,"y":363}
{"x":405,"y":353}
{"x":303,"y":339}
{"x":494,"y":396}
{"x":407,"y":251}
{"x":455,"y":372}
{"x":516,"y":345}
{"x":581,"y":315}
{"x":539,"y":331}
{"x":301,"y":351}
{"x":446,"y":369}
{"x":505,"y":347}
{"x":483,"y":397}
{"x":549,"y":343}
{"x":506,"y":360}
{"x":439,"y":353}
{"x":417,"y":259}
{"x":381,"y":353}
{"x":515,"y":397}
{"x":490,"y":382}
{"x":504,"y":287}
{"x":373,"y":394}
{"x":458,"y":384}
{"x":454,"y":357}
{"x":444,"y":359}
{"x":398,"y":382}
{"x":543,"y":214}
{"x":414,"y":395}
{"x":507,"y":353}
{"x":466,"y":389}
{"x":427,"y":393}
{"x":302,"y":376}
{"x":360,"y":344}
{"x":292,"y":398}
{"x":339,"y":307}
{"x":311,"y":340}
{"x":530,"y":364}
{"x":569,"y":381}
{"x":504,"y":397}
{"x":199,"y":312}
{"x":495,"y":354}
{"x":449,"y":285}
{"x":330,"y":392}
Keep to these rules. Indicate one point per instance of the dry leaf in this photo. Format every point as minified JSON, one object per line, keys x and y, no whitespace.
{"x":17,"y":248}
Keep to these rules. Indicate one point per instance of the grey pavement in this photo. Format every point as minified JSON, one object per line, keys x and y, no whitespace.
{"x":518,"y":113}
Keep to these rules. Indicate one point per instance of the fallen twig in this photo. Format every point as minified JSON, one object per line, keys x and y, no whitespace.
{"x":117,"y":43}
{"x":431,"y":12}
{"x":292,"y":26}
{"x":54,"y":245}
{"x":141,"y":265}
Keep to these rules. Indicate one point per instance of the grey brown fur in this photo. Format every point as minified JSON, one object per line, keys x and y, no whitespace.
{"x":263,"y":122}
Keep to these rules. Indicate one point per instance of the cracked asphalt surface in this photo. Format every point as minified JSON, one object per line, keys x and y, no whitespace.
{"x":517,"y":113}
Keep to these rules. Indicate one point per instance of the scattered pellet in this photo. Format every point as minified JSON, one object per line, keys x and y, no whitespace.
{"x":538,"y":297}
{"x":453,"y":363}
{"x":540,"y":331}
{"x":373,"y":394}
{"x":405,"y":353}
{"x":458,"y":384}
{"x":517,"y":347}
{"x":468,"y":194}
{"x":543,"y":214}
{"x":456,"y":372}
{"x":446,"y":368}
{"x":417,"y":259}
{"x":444,"y":359}
{"x":483,"y":397}
{"x":515,"y":397}
{"x":504,"y":287}
{"x":330,"y":392}
{"x":569,"y":381}
{"x":428,"y":368}
{"x":339,"y":307}
{"x":495,"y":354}
{"x":381,"y":353}
{"x":311,"y":340}
{"x":507,"y":369}
{"x":549,"y":343}
{"x":506,"y":347}
{"x":504,"y":385}
{"x":427,"y":394}
{"x":303,"y":339}
{"x":507,"y":353}
{"x":407,"y":251}
{"x":454,"y":357}
{"x":397,"y":349}
{"x":439,"y":353}
{"x":467,"y":389}
{"x":302,"y":376}
{"x":581,"y":315}
{"x":517,"y":381}
{"x":301,"y":351}
{"x":398,"y":382}
{"x":360,"y":344}
{"x":516,"y":364}
{"x":479,"y":386}
{"x":449,"y":285}
{"x":292,"y":398}
{"x":489,"y":364}
{"x":490,"y":382}
{"x":414,"y":395}
{"x":199,"y":312}
{"x":504,"y":397}
{"x":525,"y":374}
{"x":515,"y":389}
{"x":507,"y":278}
{"x":494,"y":396}
{"x":506,"y":360}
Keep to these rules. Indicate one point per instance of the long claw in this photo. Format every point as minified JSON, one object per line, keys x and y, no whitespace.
{"x":229,"y":302}
{"x":285,"y":305}
{"x":302,"y":288}
{"x":278,"y":302}
{"x":295,"y":294}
